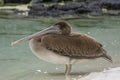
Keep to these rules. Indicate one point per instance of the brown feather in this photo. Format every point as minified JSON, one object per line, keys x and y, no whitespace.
{"x":73,"y":45}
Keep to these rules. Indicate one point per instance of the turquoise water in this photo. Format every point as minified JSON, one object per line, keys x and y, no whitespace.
{"x":19,"y":63}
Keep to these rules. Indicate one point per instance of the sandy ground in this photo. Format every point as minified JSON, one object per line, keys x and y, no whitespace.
{"x":111,"y":74}
{"x":20,"y":7}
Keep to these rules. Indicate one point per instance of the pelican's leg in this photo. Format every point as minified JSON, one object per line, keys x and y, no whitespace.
{"x":68,"y":69}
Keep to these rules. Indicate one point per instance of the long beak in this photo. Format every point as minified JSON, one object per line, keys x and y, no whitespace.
{"x":52,"y":29}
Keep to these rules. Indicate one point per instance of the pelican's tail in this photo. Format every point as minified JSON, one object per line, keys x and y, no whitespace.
{"x":106,"y":56}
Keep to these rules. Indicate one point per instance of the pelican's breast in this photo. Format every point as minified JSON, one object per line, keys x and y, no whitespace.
{"x":45,"y":54}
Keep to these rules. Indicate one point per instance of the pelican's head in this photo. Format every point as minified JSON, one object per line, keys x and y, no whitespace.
{"x":64,"y":27}
{"x":58,"y":28}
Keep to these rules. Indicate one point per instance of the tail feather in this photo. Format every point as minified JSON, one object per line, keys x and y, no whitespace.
{"x":106,"y":56}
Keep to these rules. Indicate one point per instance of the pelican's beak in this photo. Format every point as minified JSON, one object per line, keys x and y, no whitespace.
{"x":51,"y":29}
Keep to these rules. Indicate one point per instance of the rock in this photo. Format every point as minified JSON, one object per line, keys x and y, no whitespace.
{"x":111,"y":4}
{"x":17,"y":1}
{"x":95,"y":7}
{"x":37,"y":7}
{"x":56,"y":10}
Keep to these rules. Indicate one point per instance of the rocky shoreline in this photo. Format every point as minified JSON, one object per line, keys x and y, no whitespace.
{"x":11,"y":11}
{"x":94,"y":7}
{"x":97,"y":7}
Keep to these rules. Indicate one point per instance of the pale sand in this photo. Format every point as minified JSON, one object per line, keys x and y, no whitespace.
{"x":20,"y":7}
{"x":111,"y":74}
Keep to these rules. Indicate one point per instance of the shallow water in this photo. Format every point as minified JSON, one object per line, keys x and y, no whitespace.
{"x":19,"y":63}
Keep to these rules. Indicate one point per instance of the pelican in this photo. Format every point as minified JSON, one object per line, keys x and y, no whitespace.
{"x":58,"y":44}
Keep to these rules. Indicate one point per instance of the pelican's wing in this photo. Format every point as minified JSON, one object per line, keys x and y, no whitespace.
{"x":74,"y":46}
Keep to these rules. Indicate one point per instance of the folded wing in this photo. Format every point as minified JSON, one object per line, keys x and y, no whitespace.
{"x":74,"y":45}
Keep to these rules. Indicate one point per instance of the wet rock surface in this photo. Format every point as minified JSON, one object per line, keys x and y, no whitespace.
{"x":17,"y":1}
{"x":110,"y":4}
{"x":57,"y":10}
{"x":78,"y":8}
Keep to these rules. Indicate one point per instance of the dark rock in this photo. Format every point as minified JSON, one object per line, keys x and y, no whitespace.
{"x":56,"y":10}
{"x":37,"y":7}
{"x":17,"y":1}
{"x":95,"y":7}
{"x":41,"y":1}
{"x":36,"y":1}
{"x":82,"y":10}
{"x":55,"y":7}
{"x":60,"y":10}
{"x":111,"y":4}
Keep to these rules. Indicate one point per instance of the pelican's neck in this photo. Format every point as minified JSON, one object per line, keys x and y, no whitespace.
{"x":34,"y":44}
